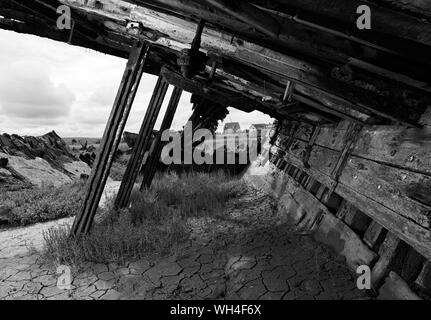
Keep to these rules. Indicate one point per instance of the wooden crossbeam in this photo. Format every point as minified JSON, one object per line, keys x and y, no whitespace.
{"x":142,"y":144}
{"x":249,"y":14}
{"x":180,"y":33}
{"x":380,"y":178}
{"x":408,"y":27}
{"x":111,"y":138}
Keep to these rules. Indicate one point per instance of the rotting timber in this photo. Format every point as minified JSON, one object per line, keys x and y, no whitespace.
{"x":351,"y":154}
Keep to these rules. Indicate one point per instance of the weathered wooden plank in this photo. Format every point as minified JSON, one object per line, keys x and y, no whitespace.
{"x":388,"y":252}
{"x":419,"y":7}
{"x":409,"y":148}
{"x":249,"y":14}
{"x":407,"y":26}
{"x":406,"y":229}
{"x":142,"y":144}
{"x":178,"y":33}
{"x":403,"y":191}
{"x":150,"y":166}
{"x":297,"y":162}
{"x":111,"y":138}
{"x":337,"y":234}
{"x":424,"y":278}
{"x":399,"y":146}
{"x":321,"y":159}
{"x":395,"y":188}
{"x":395,"y":288}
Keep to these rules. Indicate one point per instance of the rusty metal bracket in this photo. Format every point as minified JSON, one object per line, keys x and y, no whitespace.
{"x":192,"y":61}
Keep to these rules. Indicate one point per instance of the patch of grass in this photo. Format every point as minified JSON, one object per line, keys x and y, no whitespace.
{"x":156,"y":222}
{"x":34,"y":205}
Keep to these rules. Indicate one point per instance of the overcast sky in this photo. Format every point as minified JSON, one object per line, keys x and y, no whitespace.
{"x":47,"y":85}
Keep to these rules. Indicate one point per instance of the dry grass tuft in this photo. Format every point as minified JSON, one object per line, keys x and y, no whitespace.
{"x":156,"y":222}
{"x":35,"y":205}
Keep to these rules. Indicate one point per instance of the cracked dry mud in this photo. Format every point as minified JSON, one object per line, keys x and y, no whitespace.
{"x":248,"y":253}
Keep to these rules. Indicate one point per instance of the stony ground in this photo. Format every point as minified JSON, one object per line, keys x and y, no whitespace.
{"x":248,"y":253}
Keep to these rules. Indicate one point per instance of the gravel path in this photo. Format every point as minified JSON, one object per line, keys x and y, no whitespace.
{"x":248,"y":253}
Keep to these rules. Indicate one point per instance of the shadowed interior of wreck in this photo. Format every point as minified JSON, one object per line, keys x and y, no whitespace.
{"x":349,"y":154}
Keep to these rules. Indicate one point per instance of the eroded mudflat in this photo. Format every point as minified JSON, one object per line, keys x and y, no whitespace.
{"x":248,"y":253}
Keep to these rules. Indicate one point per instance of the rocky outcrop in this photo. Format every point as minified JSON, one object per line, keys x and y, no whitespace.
{"x":49,"y":147}
{"x":36,"y":171}
{"x":36,"y":161}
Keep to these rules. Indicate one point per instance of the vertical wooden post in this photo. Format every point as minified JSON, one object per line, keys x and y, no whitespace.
{"x":142,"y":144}
{"x":150,"y":166}
{"x":111,"y":138}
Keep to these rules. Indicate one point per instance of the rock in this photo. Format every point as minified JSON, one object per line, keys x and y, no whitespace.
{"x":28,"y":161}
{"x":37,"y":171}
{"x":77,"y":168}
{"x":49,"y":147}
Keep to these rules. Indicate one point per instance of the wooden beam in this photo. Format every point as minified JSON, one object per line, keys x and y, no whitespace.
{"x":142,"y":144}
{"x":150,"y":166}
{"x":421,"y":8}
{"x":249,"y":14}
{"x":111,"y":138}
{"x":388,"y":252}
{"x":223,"y":95}
{"x":385,"y":193}
{"x":34,"y":25}
{"x":395,"y":288}
{"x":424,"y":278}
{"x":397,"y":189}
{"x":408,"y":27}
{"x":180,"y":33}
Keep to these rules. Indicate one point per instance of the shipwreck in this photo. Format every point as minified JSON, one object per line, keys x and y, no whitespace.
{"x":350,"y":153}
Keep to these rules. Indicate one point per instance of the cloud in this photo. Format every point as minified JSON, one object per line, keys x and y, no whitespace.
{"x":30,"y":93}
{"x":47,"y":85}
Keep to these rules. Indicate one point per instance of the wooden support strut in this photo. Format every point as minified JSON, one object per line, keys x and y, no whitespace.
{"x":150,"y":165}
{"x":111,"y":138}
{"x":352,"y":135}
{"x":142,"y":144}
{"x":306,"y":158}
